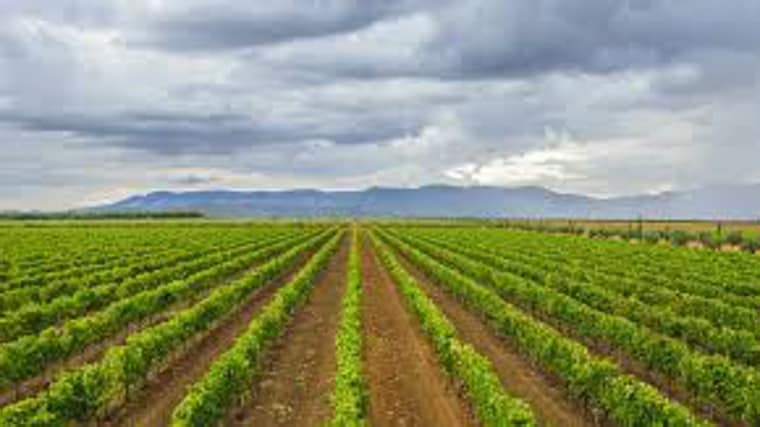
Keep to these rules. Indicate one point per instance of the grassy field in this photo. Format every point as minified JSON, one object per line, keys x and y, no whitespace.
{"x":416,"y":323}
{"x":692,"y":226}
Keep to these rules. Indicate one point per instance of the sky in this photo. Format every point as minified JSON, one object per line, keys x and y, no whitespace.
{"x":102,"y":99}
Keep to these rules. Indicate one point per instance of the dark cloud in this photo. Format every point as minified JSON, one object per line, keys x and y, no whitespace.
{"x":482,"y":39}
{"x":521,"y":37}
{"x":166,"y":133}
{"x":194,"y":179}
{"x":233,"y":25}
{"x":606,"y":96}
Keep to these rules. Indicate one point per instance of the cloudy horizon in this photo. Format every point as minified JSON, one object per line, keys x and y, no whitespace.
{"x":100,"y":100}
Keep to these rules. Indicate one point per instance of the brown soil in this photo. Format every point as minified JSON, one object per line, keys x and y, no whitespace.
{"x":547,"y":400}
{"x":299,"y":372}
{"x":152,"y":406}
{"x":406,"y":384}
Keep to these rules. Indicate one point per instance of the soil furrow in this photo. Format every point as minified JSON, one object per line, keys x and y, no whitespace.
{"x":299,"y":372}
{"x":407,"y":386}
{"x":152,"y":406}
{"x":546,"y":398}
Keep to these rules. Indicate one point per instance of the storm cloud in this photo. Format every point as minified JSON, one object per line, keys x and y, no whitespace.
{"x":605,"y":97}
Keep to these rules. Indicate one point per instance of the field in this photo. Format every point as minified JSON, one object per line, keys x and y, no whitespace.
{"x":204,"y":323}
{"x":717,"y":234}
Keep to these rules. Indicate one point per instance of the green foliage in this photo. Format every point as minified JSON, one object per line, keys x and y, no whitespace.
{"x":492,"y":404}
{"x":349,"y":398}
{"x":601,"y":384}
{"x":82,"y":215}
{"x":604,"y":294}
{"x":691,"y":317}
{"x":653,"y":237}
{"x":89,"y":391}
{"x":734,"y":238}
{"x":87,"y":295}
{"x":30,"y":355}
{"x":713,"y":239}
{"x":751,"y":245}
{"x":679,"y":238}
{"x":710,"y":239}
{"x":230,"y":375}
{"x":595,"y":314}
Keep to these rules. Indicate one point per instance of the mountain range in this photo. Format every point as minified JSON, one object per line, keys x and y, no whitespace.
{"x":718,"y":201}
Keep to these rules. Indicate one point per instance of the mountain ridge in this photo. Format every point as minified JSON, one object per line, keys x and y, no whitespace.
{"x":443,"y":200}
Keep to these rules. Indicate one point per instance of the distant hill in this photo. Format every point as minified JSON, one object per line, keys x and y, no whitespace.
{"x":724,"y":201}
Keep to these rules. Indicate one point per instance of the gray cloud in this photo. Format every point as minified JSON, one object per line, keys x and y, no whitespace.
{"x":165,"y":133}
{"x":488,"y":37}
{"x":192,"y":179}
{"x":480,"y":39}
{"x":233,"y":25}
{"x":648,"y":94}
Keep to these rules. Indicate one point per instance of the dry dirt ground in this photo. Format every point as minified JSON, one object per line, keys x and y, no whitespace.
{"x":300,"y":372}
{"x":407,"y":387}
{"x":549,"y":403}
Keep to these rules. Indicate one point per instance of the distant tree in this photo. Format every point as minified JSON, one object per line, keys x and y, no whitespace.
{"x":709,"y":239}
{"x":751,"y":245}
{"x":734,"y":238}
{"x":679,"y":238}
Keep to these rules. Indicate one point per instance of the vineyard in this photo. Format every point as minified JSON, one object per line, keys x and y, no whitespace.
{"x":197,"y":324}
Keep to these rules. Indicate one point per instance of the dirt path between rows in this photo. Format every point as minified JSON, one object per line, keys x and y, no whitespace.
{"x":407,"y":386}
{"x":153,"y":405}
{"x":299,"y":373}
{"x":548,"y":401}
